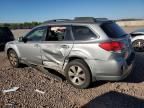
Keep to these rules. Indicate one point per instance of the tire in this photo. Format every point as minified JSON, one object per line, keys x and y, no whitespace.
{"x":138,"y":45}
{"x":78,"y":74}
{"x":13,"y":59}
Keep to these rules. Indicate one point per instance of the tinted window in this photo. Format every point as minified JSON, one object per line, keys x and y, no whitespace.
{"x":82,"y":33}
{"x":37,"y":34}
{"x":58,"y":33}
{"x":113,"y":30}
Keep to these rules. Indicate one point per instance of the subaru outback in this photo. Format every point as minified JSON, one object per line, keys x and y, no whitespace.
{"x":84,"y":49}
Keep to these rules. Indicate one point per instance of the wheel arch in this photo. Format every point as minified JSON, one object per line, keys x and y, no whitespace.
{"x":137,"y":38}
{"x":13,"y":48}
{"x":77,"y":58}
{"x":9,"y":50}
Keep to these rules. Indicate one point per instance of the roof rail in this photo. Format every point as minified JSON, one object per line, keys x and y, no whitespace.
{"x":89,"y":19}
{"x":57,"y":20}
{"x":77,"y":20}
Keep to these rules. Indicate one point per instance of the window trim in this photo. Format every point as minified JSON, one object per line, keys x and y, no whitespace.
{"x":97,"y":36}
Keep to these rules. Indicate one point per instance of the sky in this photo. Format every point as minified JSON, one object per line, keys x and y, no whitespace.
{"x":41,"y":10}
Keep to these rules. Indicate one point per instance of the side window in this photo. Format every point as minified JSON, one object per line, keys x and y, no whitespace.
{"x":37,"y":34}
{"x":83,"y":33}
{"x":58,"y":33}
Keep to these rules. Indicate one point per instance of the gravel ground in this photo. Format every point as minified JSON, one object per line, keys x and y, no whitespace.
{"x":126,"y":94}
{"x":59,"y":94}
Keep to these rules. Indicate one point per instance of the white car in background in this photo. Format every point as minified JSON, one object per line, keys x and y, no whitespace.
{"x":137,"y":38}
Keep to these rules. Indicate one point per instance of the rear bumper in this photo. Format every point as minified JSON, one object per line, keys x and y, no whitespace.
{"x":119,"y":77}
{"x":113,"y":70}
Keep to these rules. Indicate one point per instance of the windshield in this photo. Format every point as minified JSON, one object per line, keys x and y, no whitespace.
{"x":113,"y":30}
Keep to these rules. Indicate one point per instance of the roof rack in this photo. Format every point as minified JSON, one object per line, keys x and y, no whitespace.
{"x":89,"y":19}
{"x":57,"y":20}
{"x":78,"y":20}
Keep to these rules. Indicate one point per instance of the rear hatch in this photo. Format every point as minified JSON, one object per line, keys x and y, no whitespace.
{"x":117,"y":34}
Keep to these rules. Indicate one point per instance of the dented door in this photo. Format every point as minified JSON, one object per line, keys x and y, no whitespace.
{"x":55,"y":49}
{"x":54,"y":54}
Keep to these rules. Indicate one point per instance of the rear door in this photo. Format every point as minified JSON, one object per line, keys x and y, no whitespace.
{"x":116,"y":33}
{"x":57,"y":46}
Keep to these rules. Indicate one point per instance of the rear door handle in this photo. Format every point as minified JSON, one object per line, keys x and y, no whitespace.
{"x":65,"y":46}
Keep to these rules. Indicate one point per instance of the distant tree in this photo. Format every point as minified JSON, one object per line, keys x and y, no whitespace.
{"x":13,"y":26}
{"x":25,"y":25}
{"x":6,"y":25}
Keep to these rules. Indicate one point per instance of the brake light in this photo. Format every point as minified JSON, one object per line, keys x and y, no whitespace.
{"x":112,"y":46}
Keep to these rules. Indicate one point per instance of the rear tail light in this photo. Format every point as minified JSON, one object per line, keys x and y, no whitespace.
{"x":112,"y":46}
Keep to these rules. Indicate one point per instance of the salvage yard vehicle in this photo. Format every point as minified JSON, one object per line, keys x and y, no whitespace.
{"x":84,"y":49}
{"x":5,"y":36}
{"x":137,"y":38}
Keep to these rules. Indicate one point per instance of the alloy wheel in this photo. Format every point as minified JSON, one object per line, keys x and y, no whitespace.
{"x":76,"y":75}
{"x":13,"y":59}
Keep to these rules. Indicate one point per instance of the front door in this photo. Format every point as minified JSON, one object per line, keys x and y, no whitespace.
{"x":57,"y":46}
{"x":30,"y":50}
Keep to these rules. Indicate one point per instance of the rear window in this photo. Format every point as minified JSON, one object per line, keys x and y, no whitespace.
{"x":83,"y":33}
{"x":113,"y":30}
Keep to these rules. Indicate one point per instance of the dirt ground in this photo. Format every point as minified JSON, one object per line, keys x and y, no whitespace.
{"x":128,"y":93}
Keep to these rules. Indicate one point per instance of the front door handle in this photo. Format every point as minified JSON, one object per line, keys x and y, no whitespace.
{"x":65,"y":46}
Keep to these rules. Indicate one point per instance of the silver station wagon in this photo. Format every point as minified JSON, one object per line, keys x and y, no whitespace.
{"x":84,"y":49}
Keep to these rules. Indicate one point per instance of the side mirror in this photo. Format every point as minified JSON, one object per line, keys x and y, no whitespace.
{"x":22,"y":39}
